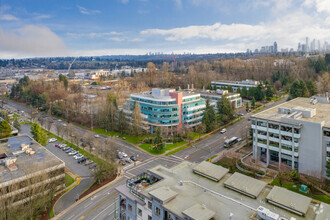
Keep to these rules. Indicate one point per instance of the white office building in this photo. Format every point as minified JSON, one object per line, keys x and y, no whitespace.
{"x":296,"y":133}
{"x":235,"y":84}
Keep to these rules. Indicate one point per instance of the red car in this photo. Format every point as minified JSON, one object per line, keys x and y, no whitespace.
{"x":51,"y":121}
{"x":56,"y":145}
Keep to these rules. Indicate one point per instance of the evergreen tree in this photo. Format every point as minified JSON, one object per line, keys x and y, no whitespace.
{"x":158,"y":140}
{"x":4,"y":115}
{"x":269,"y":91}
{"x":5,"y":130}
{"x":247,"y":106}
{"x":38,"y":134}
{"x":253,"y":102}
{"x":230,"y":89}
{"x":298,"y":89}
{"x":225,"y":109}
{"x":239,"y":90}
{"x":17,"y":125}
{"x":209,"y":117}
{"x":244,"y":92}
{"x":311,"y":86}
{"x":136,"y":116}
{"x":259,"y":93}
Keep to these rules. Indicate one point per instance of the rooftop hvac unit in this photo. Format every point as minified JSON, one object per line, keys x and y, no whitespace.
{"x":313,"y":101}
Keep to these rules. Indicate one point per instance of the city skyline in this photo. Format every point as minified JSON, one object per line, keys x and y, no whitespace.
{"x":133,"y":27}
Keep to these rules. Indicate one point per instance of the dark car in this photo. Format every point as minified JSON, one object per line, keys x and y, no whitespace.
{"x":81,"y":160}
{"x":133,"y":158}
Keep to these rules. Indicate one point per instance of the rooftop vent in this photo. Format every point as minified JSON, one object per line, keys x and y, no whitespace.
{"x":181,"y":183}
{"x":313,"y":101}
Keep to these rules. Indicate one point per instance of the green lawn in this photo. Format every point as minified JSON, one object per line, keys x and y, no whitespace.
{"x":147,"y":147}
{"x":68,"y":180}
{"x":130,"y":139}
{"x":290,"y":186}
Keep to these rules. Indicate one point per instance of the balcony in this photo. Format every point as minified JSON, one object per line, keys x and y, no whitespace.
{"x":193,"y":119}
{"x":193,"y":108}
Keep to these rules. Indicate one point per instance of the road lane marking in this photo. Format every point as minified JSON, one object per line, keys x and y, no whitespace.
{"x":70,"y":217}
{"x":104,"y":210}
{"x":177,"y":157}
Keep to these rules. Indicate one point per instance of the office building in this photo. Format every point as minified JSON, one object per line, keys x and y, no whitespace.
{"x":215,"y":96}
{"x":275,"y":47}
{"x":296,"y":133}
{"x":235,"y":84}
{"x":190,"y":191}
{"x":173,"y":111}
{"x":25,"y":167}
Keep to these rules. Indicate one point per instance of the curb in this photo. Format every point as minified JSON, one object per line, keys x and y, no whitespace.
{"x":87,"y":197}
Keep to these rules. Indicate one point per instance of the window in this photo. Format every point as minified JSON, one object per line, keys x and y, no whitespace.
{"x":157,"y":211}
{"x":139,"y":212}
{"x":149,"y":205}
{"x":149,"y":217}
{"x":129,"y":207}
{"x":128,"y":218}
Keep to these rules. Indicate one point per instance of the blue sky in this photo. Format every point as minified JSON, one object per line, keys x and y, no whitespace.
{"x":30,"y":28}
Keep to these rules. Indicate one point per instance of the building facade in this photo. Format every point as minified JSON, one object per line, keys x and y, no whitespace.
{"x":215,"y":96}
{"x":27,"y":171}
{"x":296,"y":133}
{"x":173,"y":111}
{"x":235,"y":84}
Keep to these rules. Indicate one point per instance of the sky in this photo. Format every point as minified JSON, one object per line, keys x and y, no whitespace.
{"x":43,"y":28}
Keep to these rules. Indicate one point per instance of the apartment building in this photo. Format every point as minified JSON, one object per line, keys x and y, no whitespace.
{"x":235,"y":84}
{"x":215,"y":96}
{"x":296,"y":133}
{"x":27,"y":171}
{"x":191,"y":191}
{"x":173,"y":111}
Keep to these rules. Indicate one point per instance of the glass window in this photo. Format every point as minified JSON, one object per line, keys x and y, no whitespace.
{"x":129,"y":207}
{"x":157,"y":211}
{"x":149,"y":217}
{"x":149,"y":205}
{"x":139,"y":212}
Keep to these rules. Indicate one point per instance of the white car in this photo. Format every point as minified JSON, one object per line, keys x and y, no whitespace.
{"x":96,"y":136}
{"x":73,"y":153}
{"x":223,"y":131}
{"x":77,"y":156}
{"x":65,"y":125}
{"x":52,"y":140}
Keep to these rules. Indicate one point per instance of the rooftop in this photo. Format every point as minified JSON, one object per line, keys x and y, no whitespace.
{"x":208,"y":195}
{"x":245,"y":184}
{"x":322,"y":211}
{"x":163,"y":94}
{"x":26,"y":163}
{"x":210,"y":170}
{"x":289,"y":200}
{"x":322,"y":111}
{"x":163,"y":194}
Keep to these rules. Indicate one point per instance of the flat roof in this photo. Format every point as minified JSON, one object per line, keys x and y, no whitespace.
{"x":26,"y":164}
{"x":199,"y":212}
{"x":211,"y":171}
{"x":163,"y":194}
{"x":244,"y":184}
{"x":289,"y":200}
{"x":322,"y":111}
{"x":123,"y":189}
{"x":322,"y":211}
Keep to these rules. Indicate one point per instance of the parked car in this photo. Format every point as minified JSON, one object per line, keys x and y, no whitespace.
{"x":133,"y":158}
{"x":128,"y":160}
{"x":73,"y":153}
{"x":51,"y":121}
{"x":52,"y":140}
{"x":65,"y":148}
{"x":239,"y":139}
{"x":122,"y":162}
{"x":78,"y":156}
{"x":83,"y":159}
{"x":223,"y":131}
{"x":124,"y":138}
{"x":65,"y":125}
{"x":55,"y":145}
{"x":121,"y":155}
{"x":88,"y":162}
{"x":124,"y":154}
{"x":93,"y":165}
{"x":68,"y":150}
{"x":59,"y":120}
{"x":96,"y":136}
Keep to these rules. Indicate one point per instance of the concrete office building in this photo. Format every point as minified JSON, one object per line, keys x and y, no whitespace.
{"x":296,"y":133}
{"x":171,"y":110}
{"x":25,"y":167}
{"x":190,"y":191}
{"x":215,"y":96}
{"x":235,"y":84}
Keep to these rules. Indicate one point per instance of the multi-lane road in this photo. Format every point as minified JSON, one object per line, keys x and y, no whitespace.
{"x":102,"y":204}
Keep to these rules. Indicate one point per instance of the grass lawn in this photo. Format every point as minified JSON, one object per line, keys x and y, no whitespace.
{"x":130,"y":139}
{"x":68,"y":180}
{"x":290,"y":186}
{"x":146,"y":147}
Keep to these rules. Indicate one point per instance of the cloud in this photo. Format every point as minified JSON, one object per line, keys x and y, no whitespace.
{"x":86,"y":11}
{"x":117,"y":39}
{"x":92,"y":35}
{"x":320,"y":5}
{"x":31,"y":40}
{"x":124,"y":1}
{"x":42,"y":16}
{"x":178,"y":3}
{"x":8,"y":17}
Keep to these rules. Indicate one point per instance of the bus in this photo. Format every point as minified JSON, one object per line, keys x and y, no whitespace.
{"x":230,"y":142}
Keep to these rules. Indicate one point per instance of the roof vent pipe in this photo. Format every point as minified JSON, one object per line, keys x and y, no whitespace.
{"x":181,"y":182}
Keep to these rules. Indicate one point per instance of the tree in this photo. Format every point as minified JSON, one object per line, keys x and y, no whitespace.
{"x":253,"y":103}
{"x":136,"y":116}
{"x":324,"y":82}
{"x":269,"y":91}
{"x":65,"y":81}
{"x":158,"y":140}
{"x":247,"y":106}
{"x":17,"y":125}
{"x":298,"y":89}
{"x":190,"y":136}
{"x":200,"y":129}
{"x":5,"y":130}
{"x":38,"y":134}
{"x":209,"y":117}
{"x":225,"y":109}
{"x":244,"y":92}
{"x":103,"y":171}
{"x":122,"y":124}
{"x":4,"y":115}
{"x":311,"y":86}
{"x":259,"y":93}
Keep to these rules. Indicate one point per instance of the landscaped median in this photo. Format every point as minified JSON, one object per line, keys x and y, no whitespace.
{"x":148,"y":147}
{"x":131,"y":139}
